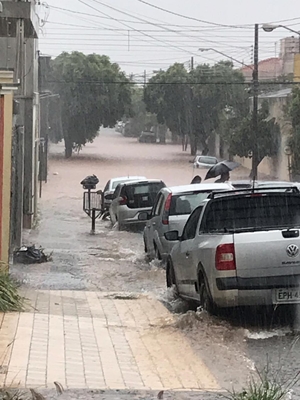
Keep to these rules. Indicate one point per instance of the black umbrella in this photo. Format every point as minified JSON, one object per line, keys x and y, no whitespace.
{"x":221,"y":168}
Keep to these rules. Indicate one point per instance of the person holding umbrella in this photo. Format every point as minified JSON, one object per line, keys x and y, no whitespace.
{"x":223,"y":178}
{"x":221,"y":168}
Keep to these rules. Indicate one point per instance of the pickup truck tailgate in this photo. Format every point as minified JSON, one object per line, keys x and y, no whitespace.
{"x":267,"y":253}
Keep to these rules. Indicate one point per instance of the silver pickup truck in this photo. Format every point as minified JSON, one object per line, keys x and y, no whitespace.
{"x":239,"y":248}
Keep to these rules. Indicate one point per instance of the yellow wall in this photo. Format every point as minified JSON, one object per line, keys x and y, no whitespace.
{"x":297,"y":68}
{"x":5,"y":236}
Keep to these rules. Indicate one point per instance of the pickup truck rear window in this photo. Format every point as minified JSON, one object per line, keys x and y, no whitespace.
{"x":256,"y":211}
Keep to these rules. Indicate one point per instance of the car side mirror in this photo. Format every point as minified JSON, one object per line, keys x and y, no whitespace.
{"x":109,"y":196}
{"x":172,"y":236}
{"x":144,"y":216}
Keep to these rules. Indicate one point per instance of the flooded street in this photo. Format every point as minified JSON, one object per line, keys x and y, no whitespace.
{"x":113,"y":262}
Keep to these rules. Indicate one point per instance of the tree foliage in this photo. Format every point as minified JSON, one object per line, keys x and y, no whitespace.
{"x":167,"y":95}
{"x":192,"y":103}
{"x":93,"y":92}
{"x":140,"y":119}
{"x":267,"y":136}
{"x":294,"y":142}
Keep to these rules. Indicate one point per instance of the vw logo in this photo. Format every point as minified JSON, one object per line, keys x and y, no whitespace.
{"x":292,"y":250}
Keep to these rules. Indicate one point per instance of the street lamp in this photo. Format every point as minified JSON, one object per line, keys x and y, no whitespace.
{"x":270,"y":28}
{"x":223,"y":54}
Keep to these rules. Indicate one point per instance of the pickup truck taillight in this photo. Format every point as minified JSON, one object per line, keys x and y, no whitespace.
{"x":123,"y":201}
{"x":225,"y":257}
{"x":165,"y":217}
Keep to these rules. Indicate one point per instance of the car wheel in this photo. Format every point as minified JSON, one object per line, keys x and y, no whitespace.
{"x":170,"y":276}
{"x":121,"y":227}
{"x":145,"y":246}
{"x":206,"y":301}
{"x":156,"y":252}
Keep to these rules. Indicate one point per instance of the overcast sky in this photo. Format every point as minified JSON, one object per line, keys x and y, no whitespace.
{"x":140,"y":37}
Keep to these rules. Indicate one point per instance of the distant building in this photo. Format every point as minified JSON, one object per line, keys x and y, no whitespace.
{"x":272,"y":68}
{"x":268,"y":69}
{"x":288,"y":48}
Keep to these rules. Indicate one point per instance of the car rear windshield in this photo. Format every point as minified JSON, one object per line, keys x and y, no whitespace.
{"x":253,"y":212}
{"x":142,"y":195}
{"x":184,"y":204}
{"x":115,"y":183}
{"x":207,"y":160}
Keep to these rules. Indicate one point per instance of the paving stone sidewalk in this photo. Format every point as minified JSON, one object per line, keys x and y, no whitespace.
{"x":92,"y":340}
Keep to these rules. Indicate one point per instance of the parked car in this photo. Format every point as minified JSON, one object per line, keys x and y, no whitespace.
{"x":239,"y":249}
{"x":119,"y":127}
{"x":147,"y":137}
{"x":170,"y":212}
{"x":205,"y":161}
{"x":131,"y":198}
{"x":110,"y":187}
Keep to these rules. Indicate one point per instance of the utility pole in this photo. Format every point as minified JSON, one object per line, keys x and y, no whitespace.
{"x":191,"y":98}
{"x":20,"y":53}
{"x":255,"y":105}
{"x":192,"y":63}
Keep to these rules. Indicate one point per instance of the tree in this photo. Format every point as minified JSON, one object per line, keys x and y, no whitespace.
{"x":140,"y":119}
{"x":167,"y":96}
{"x":293,"y":112}
{"x":268,"y":136}
{"x":213,"y":99}
{"x":192,"y":103}
{"x":93,"y":92}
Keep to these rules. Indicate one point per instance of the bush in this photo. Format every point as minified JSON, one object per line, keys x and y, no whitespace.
{"x":266,"y":387}
{"x":10,"y":300}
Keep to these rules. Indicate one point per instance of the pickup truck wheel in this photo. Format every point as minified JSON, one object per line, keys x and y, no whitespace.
{"x":205,"y":298}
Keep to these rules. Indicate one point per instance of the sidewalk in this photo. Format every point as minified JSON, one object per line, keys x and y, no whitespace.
{"x":89,"y":340}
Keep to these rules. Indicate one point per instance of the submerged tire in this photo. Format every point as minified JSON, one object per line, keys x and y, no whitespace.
{"x":157,"y":253}
{"x":145,"y":246}
{"x":206,"y":301}
{"x":170,"y":277}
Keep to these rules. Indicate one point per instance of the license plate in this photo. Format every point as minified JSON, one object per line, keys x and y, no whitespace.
{"x":145,"y":198}
{"x":287,"y":295}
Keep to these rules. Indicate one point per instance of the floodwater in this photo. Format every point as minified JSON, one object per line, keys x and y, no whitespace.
{"x":231,"y":345}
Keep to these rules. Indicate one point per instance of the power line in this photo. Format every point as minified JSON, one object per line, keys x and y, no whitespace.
{"x":151,"y":23}
{"x":191,"y":18}
{"x":208,"y":22}
{"x":128,"y":26}
{"x":86,"y":82}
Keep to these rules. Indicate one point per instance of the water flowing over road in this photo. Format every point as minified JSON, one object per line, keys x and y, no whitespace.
{"x":113,"y":263}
